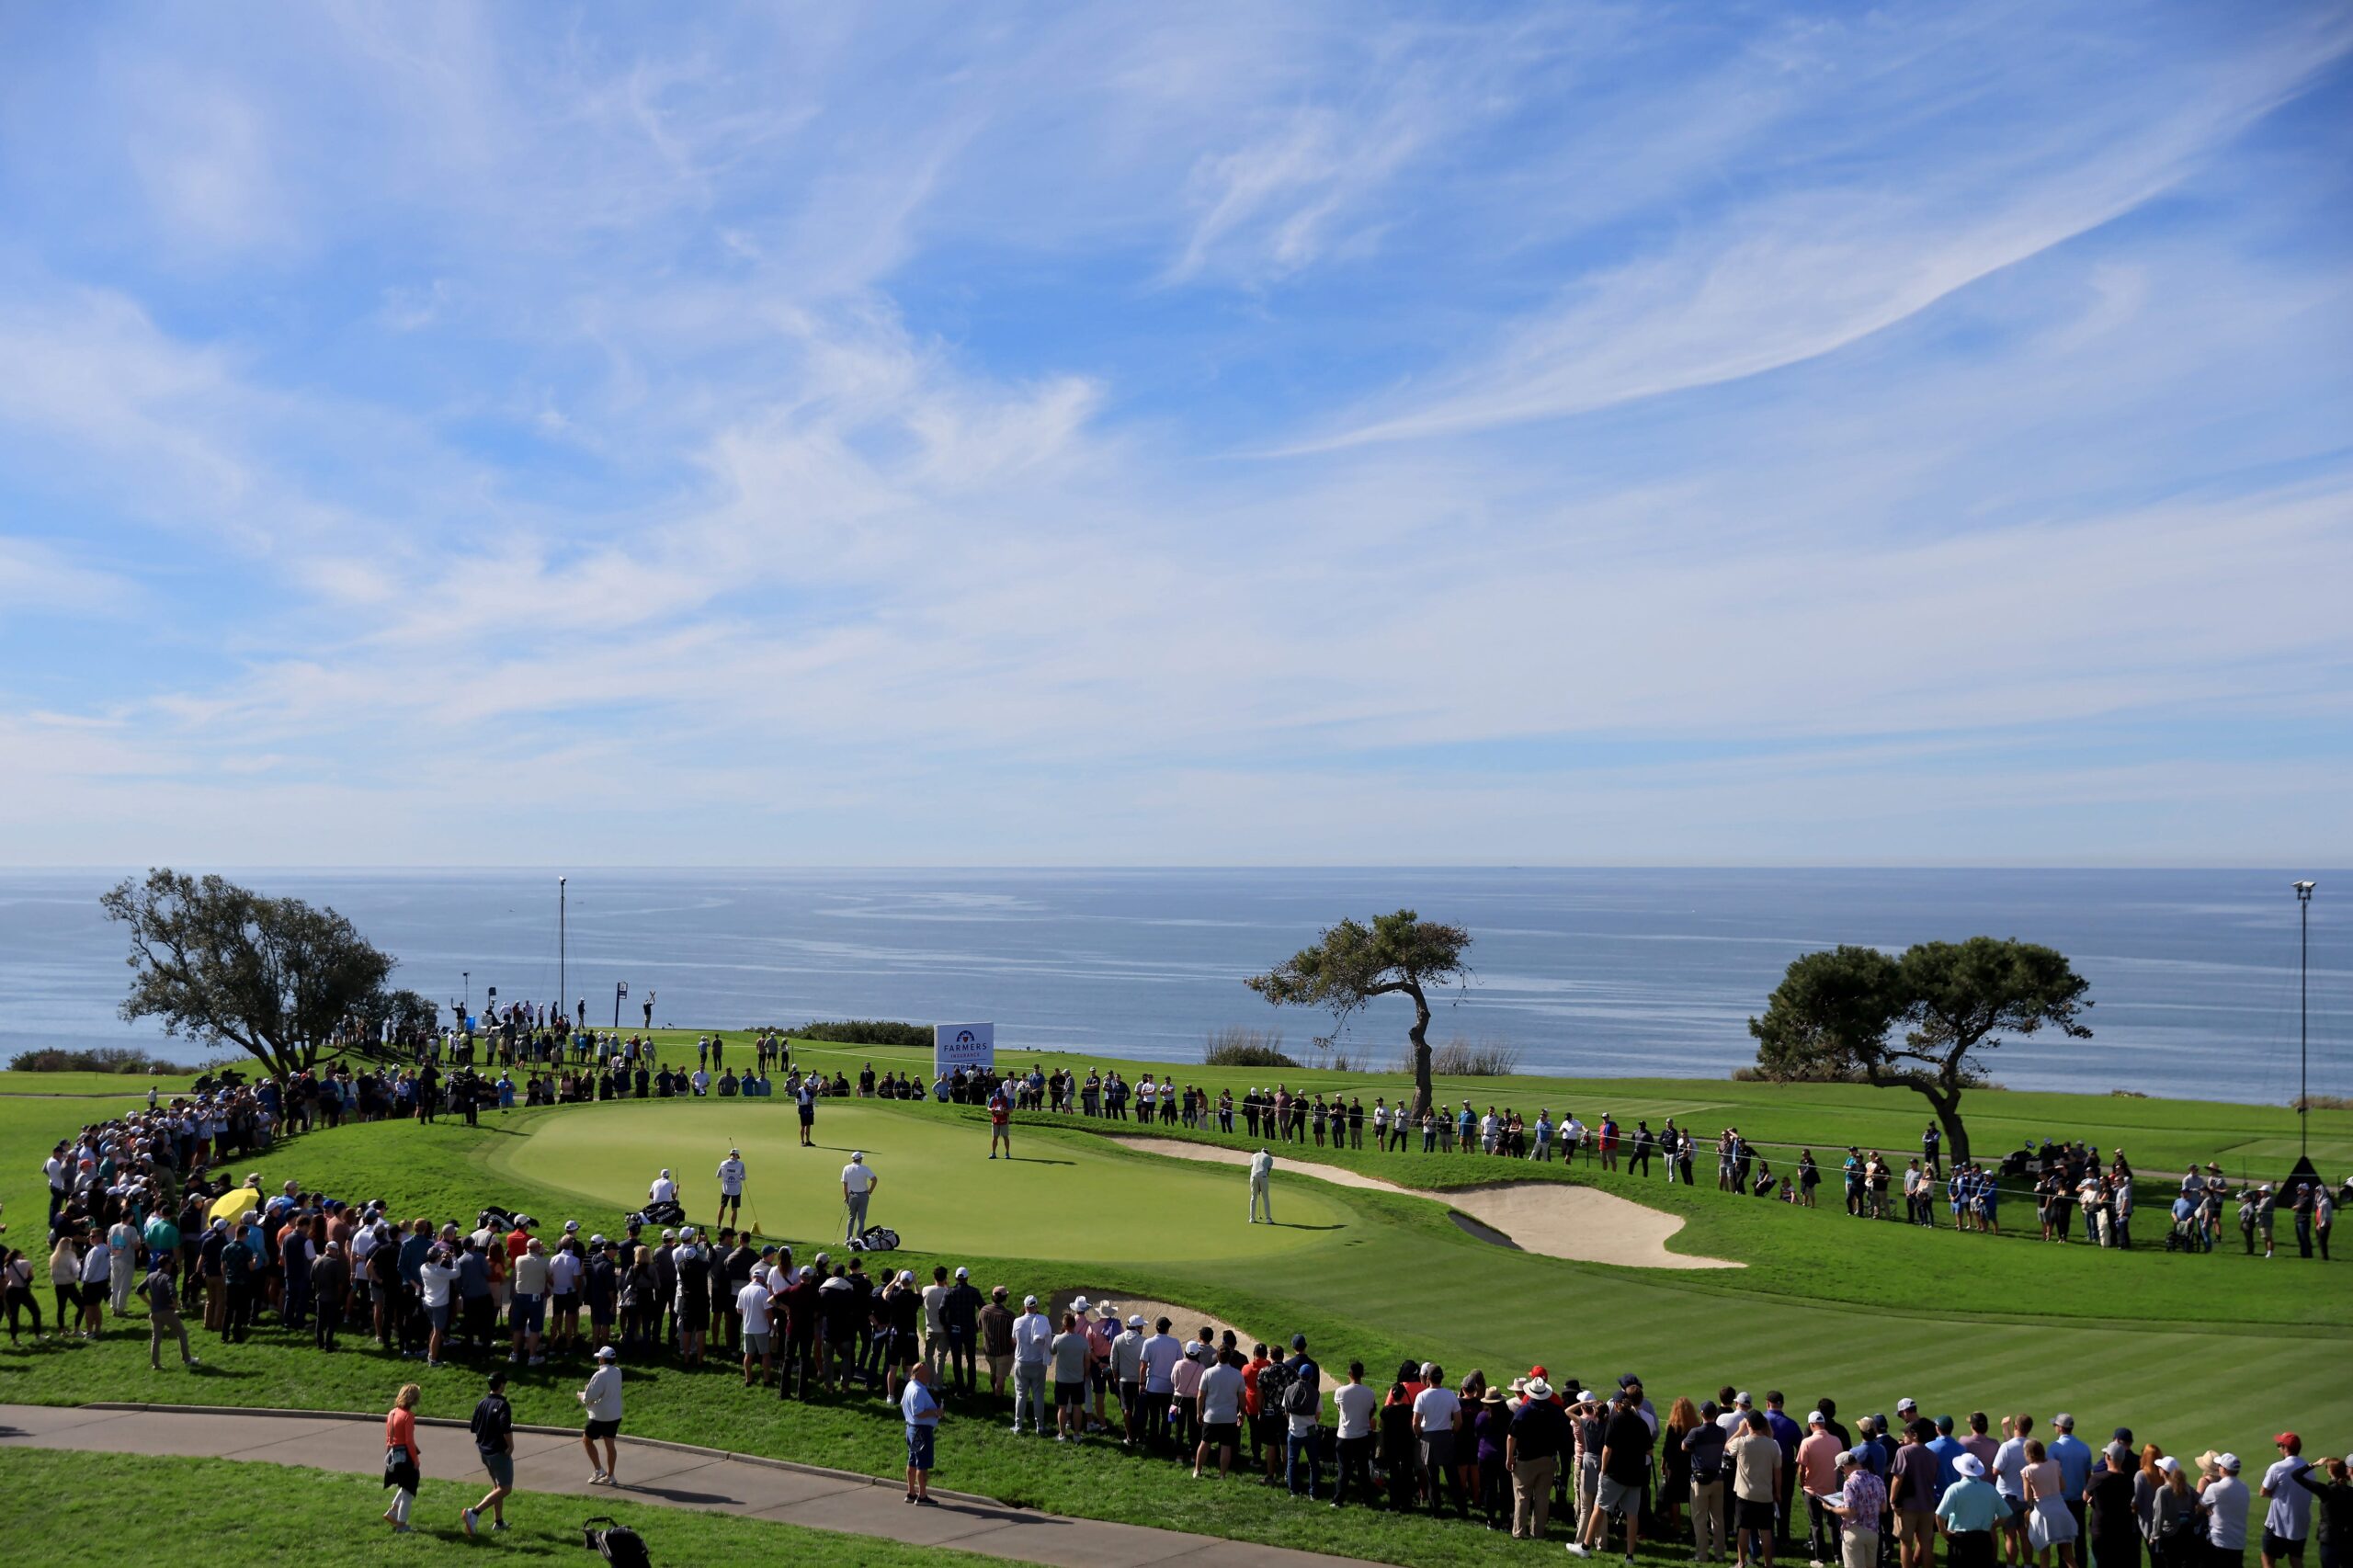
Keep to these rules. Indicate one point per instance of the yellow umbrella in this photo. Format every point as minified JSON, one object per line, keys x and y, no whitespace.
{"x":232,"y":1205}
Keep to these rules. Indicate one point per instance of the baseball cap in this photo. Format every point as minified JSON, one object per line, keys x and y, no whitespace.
{"x":570,"y":1226}
{"x":2168,"y":1463}
{"x":596,"y":1241}
{"x":1028,"y":1300}
{"x":2064,"y":1422}
{"x":1908,"y":1404}
{"x":2288,"y":1440}
{"x":669,"y":1235}
{"x":2230,"y":1462}
{"x":1740,"y":1397}
{"x":1849,"y":1457}
{"x":1298,"y":1342}
{"x":1817,"y":1419}
{"x":1135,"y":1320}
{"x":735,"y":1154}
{"x":963,"y":1273}
{"x":858,"y":1156}
{"x":607,"y":1353}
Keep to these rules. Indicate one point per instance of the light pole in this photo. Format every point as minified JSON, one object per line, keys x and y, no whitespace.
{"x":621,"y":989}
{"x":2304,"y":1016}
{"x":467,"y":975}
{"x":563,"y":983}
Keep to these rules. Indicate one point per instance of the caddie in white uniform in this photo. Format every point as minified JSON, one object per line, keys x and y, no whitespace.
{"x":1262,"y":1168}
{"x":731,"y":1189}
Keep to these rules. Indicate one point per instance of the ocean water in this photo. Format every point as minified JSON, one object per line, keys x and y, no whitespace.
{"x":1616,"y":973}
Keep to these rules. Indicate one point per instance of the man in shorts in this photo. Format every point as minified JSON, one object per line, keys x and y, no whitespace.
{"x":921,"y":1409}
{"x":806,"y":1099}
{"x":731,"y":1189}
{"x":1220,"y":1405}
{"x":751,"y":1303}
{"x":1067,"y":1356}
{"x":494,"y":1429}
{"x":602,"y":1400}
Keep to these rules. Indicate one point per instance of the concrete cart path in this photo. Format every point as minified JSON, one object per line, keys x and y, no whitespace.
{"x":550,"y":1461}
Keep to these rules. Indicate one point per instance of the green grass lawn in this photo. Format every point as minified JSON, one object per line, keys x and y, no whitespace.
{"x":1063,"y":1198}
{"x":67,"y":1510}
{"x":2190,"y":1351}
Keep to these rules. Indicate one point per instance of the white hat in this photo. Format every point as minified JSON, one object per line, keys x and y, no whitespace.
{"x":1081,"y":1305}
{"x":665,"y":1171}
{"x":906,"y":1277}
{"x":1135,"y":1321}
{"x":1740,"y":1399}
{"x":735,"y":1154}
{"x":1972,"y":1467}
{"x":1817,"y":1419}
{"x":2230,"y":1463}
{"x":1108,"y":1311}
{"x":1907,"y":1403}
{"x":858,"y":1156}
{"x":962,"y":1272}
{"x":596,"y":1241}
{"x":1028,"y":1300}
{"x":2166,"y":1462}
{"x":607,"y":1353}
{"x":570,"y":1226}
{"x":669,"y":1235}
{"x":1539,"y":1389}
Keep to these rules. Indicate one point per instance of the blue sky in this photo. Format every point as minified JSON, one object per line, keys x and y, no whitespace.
{"x":1217,"y":434}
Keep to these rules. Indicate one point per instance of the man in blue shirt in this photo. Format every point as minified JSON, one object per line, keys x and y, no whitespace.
{"x":2074,"y":1458}
{"x":1787,"y":1434}
{"x":922,"y":1410}
{"x":1948,"y":1449}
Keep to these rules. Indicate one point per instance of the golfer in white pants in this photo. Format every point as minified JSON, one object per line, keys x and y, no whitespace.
{"x":858,"y":1186}
{"x":1262,"y":1167}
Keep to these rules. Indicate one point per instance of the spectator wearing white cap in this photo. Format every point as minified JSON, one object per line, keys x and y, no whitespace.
{"x":1817,"y":1467}
{"x":2226,"y":1499}
{"x":1033,"y":1336}
{"x":1127,"y":1371}
{"x":858,"y":1182}
{"x":602,"y":1400}
{"x":731,"y":1189}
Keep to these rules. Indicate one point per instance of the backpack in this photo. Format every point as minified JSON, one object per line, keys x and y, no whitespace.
{"x":616,"y":1544}
{"x":1299,"y":1399}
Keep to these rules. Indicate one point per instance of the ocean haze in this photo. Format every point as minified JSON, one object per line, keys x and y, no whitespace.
{"x":1600,"y":972}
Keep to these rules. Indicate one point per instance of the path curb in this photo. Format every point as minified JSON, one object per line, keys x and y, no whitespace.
{"x":765,"y":1461}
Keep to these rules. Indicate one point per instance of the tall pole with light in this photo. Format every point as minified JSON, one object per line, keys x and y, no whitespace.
{"x":562,"y":986}
{"x":2304,"y":1016}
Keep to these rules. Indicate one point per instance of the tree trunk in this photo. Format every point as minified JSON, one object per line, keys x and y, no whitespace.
{"x":1947,"y":1104}
{"x":1423,"y":1096}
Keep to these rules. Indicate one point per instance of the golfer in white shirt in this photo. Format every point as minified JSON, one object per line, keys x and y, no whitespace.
{"x":1033,"y":1338}
{"x":1262,"y":1169}
{"x":858,"y":1186}
{"x":664,"y":1189}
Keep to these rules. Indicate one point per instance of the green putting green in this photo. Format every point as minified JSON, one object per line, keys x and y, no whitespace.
{"x":1062,"y":1196}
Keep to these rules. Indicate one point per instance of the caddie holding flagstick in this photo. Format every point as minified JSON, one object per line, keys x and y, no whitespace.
{"x":858,"y":1188}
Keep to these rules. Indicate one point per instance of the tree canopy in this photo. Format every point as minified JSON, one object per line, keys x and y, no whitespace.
{"x":1351,"y":964}
{"x":221,"y":964}
{"x":1917,"y":1021}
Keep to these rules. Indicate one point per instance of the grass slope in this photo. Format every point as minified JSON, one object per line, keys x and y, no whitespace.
{"x":223,"y":1511}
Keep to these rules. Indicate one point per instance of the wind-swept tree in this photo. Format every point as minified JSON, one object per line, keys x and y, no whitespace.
{"x":1351,"y":964}
{"x":218,"y":962}
{"x":1917,"y":1022}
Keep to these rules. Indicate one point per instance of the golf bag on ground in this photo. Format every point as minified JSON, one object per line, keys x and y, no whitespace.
{"x":615,"y":1543}
{"x":493,"y":1213}
{"x":658,"y":1214}
{"x":875,"y":1238}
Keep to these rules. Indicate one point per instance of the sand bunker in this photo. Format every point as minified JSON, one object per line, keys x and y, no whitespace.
{"x":1185,"y":1323}
{"x":1575,"y":1222}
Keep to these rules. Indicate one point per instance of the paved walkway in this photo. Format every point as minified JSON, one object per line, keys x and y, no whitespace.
{"x":549,"y":1461}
